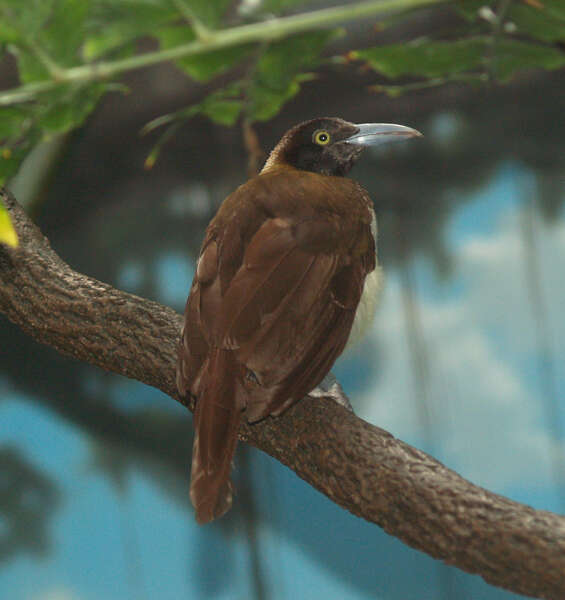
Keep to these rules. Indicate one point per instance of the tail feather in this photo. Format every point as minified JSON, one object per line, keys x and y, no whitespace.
{"x":216,"y":422}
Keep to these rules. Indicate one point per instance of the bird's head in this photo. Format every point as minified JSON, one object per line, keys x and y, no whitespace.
{"x":330,"y":146}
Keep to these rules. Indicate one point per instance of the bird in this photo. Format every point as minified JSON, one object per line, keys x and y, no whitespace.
{"x":286,"y":278}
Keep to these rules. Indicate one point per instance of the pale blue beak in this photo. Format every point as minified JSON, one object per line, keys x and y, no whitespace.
{"x":374,"y":134}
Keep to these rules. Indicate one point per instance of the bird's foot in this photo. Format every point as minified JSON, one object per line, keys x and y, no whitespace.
{"x":330,"y":388}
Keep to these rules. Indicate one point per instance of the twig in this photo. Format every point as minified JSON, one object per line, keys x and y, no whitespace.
{"x":202,"y":32}
{"x":225,"y":38}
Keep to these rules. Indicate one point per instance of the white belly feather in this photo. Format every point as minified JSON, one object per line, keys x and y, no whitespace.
{"x":369,"y":299}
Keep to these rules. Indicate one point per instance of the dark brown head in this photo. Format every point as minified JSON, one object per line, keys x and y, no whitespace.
{"x":330,"y":146}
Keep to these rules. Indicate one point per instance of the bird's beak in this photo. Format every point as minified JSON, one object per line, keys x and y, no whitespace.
{"x":374,"y":134}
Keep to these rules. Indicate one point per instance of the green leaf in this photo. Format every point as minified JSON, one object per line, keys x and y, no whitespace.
{"x":280,"y":71}
{"x":266,"y":103}
{"x":209,"y":64}
{"x":63,"y":33}
{"x":58,"y":111}
{"x":14,"y":148}
{"x":67,"y":107}
{"x":27,"y":16}
{"x":224,"y":112}
{"x":206,"y":65}
{"x":425,"y":58}
{"x":541,"y":19}
{"x":10,"y":161}
{"x":541,"y":23}
{"x":8,"y":34}
{"x":210,"y":12}
{"x":12,"y":123}
{"x":281,"y":6}
{"x":8,"y":234}
{"x":116,"y":24}
{"x":450,"y":59}
{"x":555,"y":8}
{"x":513,"y":56}
{"x":30,"y":68}
{"x":48,"y":36}
{"x":469,"y":9}
{"x":111,"y":45}
{"x":223,"y":107}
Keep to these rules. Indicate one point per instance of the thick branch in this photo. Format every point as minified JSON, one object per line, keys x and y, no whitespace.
{"x":359,"y":466}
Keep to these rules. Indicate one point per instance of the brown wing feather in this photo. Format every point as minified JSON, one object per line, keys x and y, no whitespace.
{"x":216,"y":422}
{"x":281,"y":308}
{"x":270,"y":310}
{"x":294,"y":354}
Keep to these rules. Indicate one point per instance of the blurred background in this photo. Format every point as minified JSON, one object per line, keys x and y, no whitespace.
{"x":465,"y":358}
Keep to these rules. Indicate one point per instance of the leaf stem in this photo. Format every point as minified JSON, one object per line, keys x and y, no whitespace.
{"x":202,"y":32}
{"x":216,"y":40}
{"x":497,"y":30}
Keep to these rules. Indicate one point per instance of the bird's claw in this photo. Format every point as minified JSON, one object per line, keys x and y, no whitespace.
{"x":330,"y":388}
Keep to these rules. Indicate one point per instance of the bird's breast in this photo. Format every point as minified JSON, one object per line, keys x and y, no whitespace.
{"x":365,"y":313}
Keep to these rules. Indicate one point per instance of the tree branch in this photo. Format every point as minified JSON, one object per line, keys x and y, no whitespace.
{"x":360,"y":467}
{"x":270,"y":30}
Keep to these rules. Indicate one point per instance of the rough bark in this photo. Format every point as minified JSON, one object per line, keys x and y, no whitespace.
{"x":359,"y":466}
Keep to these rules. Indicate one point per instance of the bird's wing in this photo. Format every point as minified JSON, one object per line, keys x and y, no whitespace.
{"x":288,"y":309}
{"x":270,"y":309}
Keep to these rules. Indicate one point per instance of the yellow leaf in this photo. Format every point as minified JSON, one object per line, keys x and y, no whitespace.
{"x":8,"y":234}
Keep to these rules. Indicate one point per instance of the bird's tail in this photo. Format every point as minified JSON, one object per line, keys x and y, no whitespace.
{"x":216,"y":423}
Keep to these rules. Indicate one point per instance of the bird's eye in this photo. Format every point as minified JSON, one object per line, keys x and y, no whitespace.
{"x":321,"y":137}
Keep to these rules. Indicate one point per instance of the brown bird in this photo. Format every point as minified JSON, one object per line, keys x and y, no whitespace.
{"x":287,"y":274}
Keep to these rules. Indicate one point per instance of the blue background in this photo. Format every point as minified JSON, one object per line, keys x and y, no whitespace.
{"x":465,"y":358}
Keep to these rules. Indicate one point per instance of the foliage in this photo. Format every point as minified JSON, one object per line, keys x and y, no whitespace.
{"x":275,"y":78}
{"x":69,"y":53}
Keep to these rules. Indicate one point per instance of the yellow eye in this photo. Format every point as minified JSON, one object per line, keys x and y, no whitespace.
{"x":321,"y":137}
